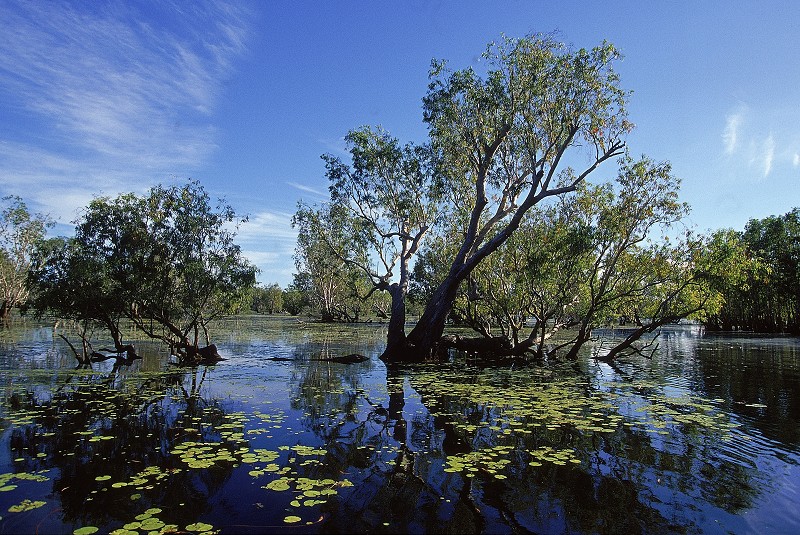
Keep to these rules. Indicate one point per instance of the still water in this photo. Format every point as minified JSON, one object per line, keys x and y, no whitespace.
{"x":704,"y":437}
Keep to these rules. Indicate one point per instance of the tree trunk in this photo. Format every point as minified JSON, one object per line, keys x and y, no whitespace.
{"x":396,"y":342}
{"x":5,"y":309}
{"x":422,"y":342}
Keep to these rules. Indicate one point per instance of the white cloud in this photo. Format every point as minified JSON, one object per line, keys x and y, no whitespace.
{"x":275,"y":226}
{"x":268,"y":240}
{"x":768,"y":154}
{"x":307,"y":189}
{"x":113,"y":99}
{"x":796,"y":160}
{"x":731,"y":134}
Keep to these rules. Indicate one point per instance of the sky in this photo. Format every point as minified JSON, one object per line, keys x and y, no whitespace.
{"x":107,"y":97}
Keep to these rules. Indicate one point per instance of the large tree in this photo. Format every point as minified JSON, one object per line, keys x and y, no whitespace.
{"x":534,"y":123}
{"x":20,"y":234}
{"x":166,"y":261}
{"x":604,"y":253}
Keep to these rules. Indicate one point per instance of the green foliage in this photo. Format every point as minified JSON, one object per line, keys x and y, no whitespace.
{"x":21,"y":233}
{"x":758,"y":275}
{"x":497,"y":146}
{"x":326,"y":258}
{"x":167,"y":261}
{"x":599,"y":255}
{"x":267,"y":299}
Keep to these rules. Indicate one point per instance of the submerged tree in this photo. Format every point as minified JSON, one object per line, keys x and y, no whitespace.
{"x":20,"y":235}
{"x":592,"y":258}
{"x":166,"y":261}
{"x":500,"y":143}
{"x":71,"y":284}
{"x":382,"y":206}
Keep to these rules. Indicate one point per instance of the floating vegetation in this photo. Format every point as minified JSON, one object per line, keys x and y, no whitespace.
{"x":489,"y":460}
{"x":26,"y":505}
{"x":311,"y":443}
{"x":307,"y":492}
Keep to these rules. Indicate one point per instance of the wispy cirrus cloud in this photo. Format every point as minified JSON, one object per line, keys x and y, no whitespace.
{"x":768,"y":154}
{"x":307,"y":189}
{"x":109,"y":97}
{"x":760,"y":141}
{"x":730,"y":136}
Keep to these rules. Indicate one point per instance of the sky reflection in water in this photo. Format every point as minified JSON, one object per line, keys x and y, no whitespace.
{"x":703,"y":437}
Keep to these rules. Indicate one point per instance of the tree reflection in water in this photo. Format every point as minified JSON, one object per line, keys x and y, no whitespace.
{"x":359,"y":448}
{"x":94,"y":428}
{"x":630,"y":479}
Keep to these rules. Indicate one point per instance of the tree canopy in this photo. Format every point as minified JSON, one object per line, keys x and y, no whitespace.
{"x":166,"y":261}
{"x":534,"y":124}
{"x":20,"y":235}
{"x":760,"y":286}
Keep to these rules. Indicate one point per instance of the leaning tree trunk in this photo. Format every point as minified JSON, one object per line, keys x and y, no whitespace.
{"x":422,"y":342}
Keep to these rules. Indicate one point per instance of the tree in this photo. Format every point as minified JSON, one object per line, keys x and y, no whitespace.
{"x":165,"y":261}
{"x":267,"y":299}
{"x":592,"y":257}
{"x":625,"y":269}
{"x":382,"y":206}
{"x":499,"y":144}
{"x":326,"y":260}
{"x":761,"y":288}
{"x":71,"y":284}
{"x":534,"y":285}
{"x":297,"y":296}
{"x":20,"y":235}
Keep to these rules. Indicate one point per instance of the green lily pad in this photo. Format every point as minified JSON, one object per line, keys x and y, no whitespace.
{"x":25,"y":505}
{"x":199,"y":527}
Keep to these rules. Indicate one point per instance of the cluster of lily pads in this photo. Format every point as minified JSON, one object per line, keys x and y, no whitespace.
{"x":652,"y":411}
{"x":308,"y":492}
{"x":522,"y":410}
{"x":8,"y":483}
{"x":149,"y":523}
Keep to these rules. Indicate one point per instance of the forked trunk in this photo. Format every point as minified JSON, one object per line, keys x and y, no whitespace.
{"x":422,"y":342}
{"x":396,"y":337}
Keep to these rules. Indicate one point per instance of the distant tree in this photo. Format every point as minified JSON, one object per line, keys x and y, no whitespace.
{"x":329,"y":258}
{"x":165,"y":261}
{"x":267,"y":299}
{"x":20,"y":234}
{"x":295,"y":298}
{"x":761,"y":290}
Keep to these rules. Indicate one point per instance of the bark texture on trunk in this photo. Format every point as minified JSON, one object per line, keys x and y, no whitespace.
{"x":421,"y":344}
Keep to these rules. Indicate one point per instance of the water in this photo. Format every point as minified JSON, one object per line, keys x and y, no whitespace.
{"x":704,"y":437}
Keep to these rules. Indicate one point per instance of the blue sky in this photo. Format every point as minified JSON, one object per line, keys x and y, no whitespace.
{"x":104,"y":97}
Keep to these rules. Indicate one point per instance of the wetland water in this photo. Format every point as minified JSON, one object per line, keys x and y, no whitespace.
{"x":702,"y":438}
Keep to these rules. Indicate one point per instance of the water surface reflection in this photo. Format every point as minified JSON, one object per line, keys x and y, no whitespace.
{"x":703,"y":437}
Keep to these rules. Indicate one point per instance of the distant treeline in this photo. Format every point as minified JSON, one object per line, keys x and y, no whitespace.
{"x":766,"y":298}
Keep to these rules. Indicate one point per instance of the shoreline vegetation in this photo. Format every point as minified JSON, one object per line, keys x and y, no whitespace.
{"x":486,"y":223}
